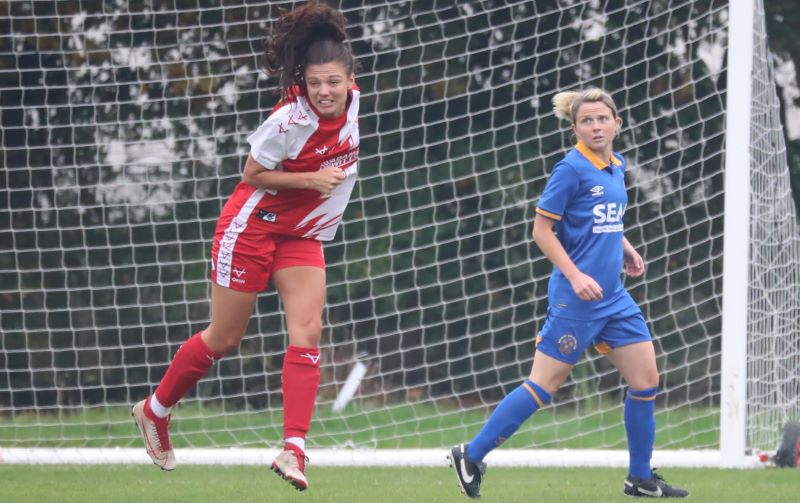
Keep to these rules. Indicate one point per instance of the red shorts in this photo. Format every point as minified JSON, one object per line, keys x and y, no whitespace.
{"x":244,"y":256}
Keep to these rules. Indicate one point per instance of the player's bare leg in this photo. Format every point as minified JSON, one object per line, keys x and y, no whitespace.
{"x":637,"y":364}
{"x":230,"y":313}
{"x":302,"y":291}
{"x":547,"y":375}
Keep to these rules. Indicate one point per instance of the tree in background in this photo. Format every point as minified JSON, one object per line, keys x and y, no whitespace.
{"x":122,"y":133}
{"x":783,"y":25}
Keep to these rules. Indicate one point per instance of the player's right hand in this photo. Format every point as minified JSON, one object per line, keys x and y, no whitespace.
{"x":586,"y":288}
{"x":326,"y":180}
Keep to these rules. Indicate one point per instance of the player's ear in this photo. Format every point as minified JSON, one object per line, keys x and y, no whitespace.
{"x":618,"y":120}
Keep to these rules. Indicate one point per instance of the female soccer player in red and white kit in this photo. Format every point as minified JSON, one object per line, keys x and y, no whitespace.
{"x":296,"y":183}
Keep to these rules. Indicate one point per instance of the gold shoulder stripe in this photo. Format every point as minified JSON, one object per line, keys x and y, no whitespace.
{"x":548,"y":214}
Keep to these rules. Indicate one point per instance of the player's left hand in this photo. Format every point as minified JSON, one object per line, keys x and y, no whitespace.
{"x":632,"y":263}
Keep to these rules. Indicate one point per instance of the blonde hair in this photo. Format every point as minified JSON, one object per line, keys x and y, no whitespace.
{"x":566,"y":104}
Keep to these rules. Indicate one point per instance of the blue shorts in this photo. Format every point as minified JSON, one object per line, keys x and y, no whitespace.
{"x":566,"y":340}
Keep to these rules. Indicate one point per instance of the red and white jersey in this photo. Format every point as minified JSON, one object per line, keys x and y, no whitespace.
{"x":295,"y":139}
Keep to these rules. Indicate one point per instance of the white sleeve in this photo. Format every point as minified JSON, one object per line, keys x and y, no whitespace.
{"x":268,"y":143}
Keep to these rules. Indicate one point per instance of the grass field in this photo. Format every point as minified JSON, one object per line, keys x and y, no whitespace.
{"x":119,"y":483}
{"x":411,"y":426}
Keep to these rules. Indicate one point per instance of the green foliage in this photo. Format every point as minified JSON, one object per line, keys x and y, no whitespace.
{"x":783,"y":22}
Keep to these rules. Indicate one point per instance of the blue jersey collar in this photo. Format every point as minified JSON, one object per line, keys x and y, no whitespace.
{"x":593,"y":158}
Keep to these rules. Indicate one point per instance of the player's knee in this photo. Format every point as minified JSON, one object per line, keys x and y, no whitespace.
{"x":306,"y":332}
{"x":550,"y":382}
{"x":644,"y":382}
{"x":222,"y":341}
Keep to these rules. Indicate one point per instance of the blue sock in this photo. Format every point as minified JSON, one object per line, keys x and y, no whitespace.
{"x":640,"y":425}
{"x":510,"y":413}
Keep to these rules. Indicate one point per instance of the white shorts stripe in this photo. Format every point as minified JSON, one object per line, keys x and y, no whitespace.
{"x":235,"y":228}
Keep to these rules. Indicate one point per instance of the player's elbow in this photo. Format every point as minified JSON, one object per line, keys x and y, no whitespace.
{"x":250,"y":172}
{"x":539,"y":231}
{"x":248,"y":177}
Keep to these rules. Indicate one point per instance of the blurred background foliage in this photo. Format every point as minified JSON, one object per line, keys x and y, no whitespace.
{"x":123,"y":133}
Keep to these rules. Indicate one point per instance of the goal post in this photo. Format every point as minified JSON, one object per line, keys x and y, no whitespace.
{"x":733,"y":391}
{"x":123,"y":133}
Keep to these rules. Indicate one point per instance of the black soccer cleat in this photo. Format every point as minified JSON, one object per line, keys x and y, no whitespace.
{"x":654,"y":487}
{"x":469,"y":474}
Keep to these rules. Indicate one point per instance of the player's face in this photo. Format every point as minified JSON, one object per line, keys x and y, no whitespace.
{"x":327,"y":86}
{"x":596,"y":126}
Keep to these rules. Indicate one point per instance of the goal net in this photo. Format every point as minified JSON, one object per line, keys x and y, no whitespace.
{"x":123,"y":133}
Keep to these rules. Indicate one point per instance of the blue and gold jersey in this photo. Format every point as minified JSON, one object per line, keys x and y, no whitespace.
{"x":587,"y":199}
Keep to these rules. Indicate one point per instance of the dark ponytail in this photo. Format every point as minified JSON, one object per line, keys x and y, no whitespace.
{"x":312,"y":34}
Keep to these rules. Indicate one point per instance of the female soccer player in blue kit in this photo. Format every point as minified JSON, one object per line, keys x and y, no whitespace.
{"x":578,"y":226}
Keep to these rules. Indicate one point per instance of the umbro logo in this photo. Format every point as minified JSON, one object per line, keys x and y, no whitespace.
{"x":596,"y":191}
{"x":239,"y":272}
{"x":322,"y":151}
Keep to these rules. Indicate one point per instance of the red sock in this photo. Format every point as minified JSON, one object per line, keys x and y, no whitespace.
{"x":149,"y":412}
{"x":188,"y":366}
{"x":300,"y":381}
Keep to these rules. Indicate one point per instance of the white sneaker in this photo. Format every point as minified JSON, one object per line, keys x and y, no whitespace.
{"x":291,"y":464}
{"x":155,"y":432}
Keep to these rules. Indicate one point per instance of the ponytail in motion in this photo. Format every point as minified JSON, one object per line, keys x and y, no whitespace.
{"x":312,"y":34}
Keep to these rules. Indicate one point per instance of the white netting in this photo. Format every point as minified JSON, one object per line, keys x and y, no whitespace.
{"x":123,"y":133}
{"x":773,"y":350}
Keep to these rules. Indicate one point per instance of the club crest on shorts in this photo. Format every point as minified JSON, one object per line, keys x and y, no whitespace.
{"x":567,"y":344}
